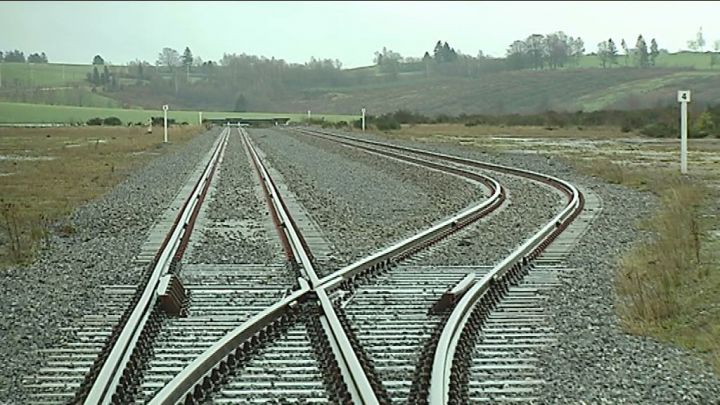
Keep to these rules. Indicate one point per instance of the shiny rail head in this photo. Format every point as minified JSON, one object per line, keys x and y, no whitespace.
{"x":109,"y":376}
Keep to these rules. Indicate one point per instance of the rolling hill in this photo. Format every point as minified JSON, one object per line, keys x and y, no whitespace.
{"x":586,"y":87}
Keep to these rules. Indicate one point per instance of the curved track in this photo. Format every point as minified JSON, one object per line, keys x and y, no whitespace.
{"x":383,"y":329}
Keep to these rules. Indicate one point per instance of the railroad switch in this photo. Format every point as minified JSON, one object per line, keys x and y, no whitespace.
{"x":173,"y":296}
{"x":452,"y":295}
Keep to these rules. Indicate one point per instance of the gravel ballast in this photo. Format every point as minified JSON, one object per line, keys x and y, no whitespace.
{"x":361,"y":201}
{"x":234,"y":226}
{"x":63,"y":283}
{"x":594,"y":361}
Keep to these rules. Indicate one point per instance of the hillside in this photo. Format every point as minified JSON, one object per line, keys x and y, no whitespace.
{"x":518,"y":92}
{"x":488,"y":89}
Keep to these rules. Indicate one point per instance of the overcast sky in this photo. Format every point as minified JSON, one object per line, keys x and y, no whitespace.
{"x":349,"y":31}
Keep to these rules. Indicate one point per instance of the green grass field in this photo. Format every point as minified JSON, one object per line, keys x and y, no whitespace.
{"x":43,"y":74}
{"x":74,"y":96}
{"x":39,"y":113}
{"x":692,"y":60}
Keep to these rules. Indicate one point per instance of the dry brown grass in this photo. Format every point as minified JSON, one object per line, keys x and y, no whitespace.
{"x":45,"y":173}
{"x":652,"y":274}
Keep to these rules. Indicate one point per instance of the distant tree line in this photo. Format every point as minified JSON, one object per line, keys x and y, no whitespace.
{"x":639,"y":56}
{"x":243,"y":82}
{"x":551,"y":51}
{"x":19,"y":56}
{"x":104,"y":77}
{"x":655,"y":122}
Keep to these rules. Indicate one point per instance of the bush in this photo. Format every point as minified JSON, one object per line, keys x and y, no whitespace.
{"x":112,"y":121}
{"x":704,"y":125}
{"x":94,"y":121}
{"x":660,"y":130}
{"x":387,"y":124}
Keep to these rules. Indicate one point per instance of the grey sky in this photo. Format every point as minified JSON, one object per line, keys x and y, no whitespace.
{"x":349,"y":31}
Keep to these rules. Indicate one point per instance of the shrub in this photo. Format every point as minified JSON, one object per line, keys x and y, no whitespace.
{"x":112,"y":121}
{"x":387,"y":124}
{"x":659,"y":130}
{"x":704,"y":125}
{"x":94,"y":121}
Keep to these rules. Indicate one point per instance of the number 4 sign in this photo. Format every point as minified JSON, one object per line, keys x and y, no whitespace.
{"x":683,"y":99}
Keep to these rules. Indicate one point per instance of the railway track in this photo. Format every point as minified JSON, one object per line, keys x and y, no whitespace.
{"x":384,"y":329}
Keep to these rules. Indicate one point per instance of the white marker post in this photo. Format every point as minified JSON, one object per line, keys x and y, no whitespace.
{"x":200,"y":117}
{"x":363,"y":119}
{"x":165,"y":110}
{"x":683,"y":99}
{"x":308,"y":114}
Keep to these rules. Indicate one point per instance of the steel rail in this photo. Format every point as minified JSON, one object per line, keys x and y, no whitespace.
{"x":296,"y":243}
{"x":216,"y":357}
{"x":521,"y":256}
{"x":401,"y":248}
{"x":358,"y":383}
{"x":108,"y":378}
{"x":203,"y":368}
{"x":445,"y":351}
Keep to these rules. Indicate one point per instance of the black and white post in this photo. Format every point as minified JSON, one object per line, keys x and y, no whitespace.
{"x":199,"y":117}
{"x":683,"y":99}
{"x":165,"y":110}
{"x":363,"y":119}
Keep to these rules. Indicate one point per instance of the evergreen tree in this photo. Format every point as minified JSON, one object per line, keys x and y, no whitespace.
{"x":654,"y":52}
{"x":95,"y":76}
{"x":612,"y":51}
{"x":437,"y":52}
{"x":626,"y":51}
{"x":98,"y":60}
{"x":187,"y":57}
{"x":642,"y":51}
{"x":105,"y":76}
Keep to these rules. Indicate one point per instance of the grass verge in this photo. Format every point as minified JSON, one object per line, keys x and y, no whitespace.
{"x":46,"y":173}
{"x":669,"y":286}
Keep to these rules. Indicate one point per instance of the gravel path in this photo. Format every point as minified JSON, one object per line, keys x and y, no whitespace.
{"x":234,"y":225}
{"x":362,"y":201}
{"x":38,"y":300}
{"x":594,"y":361}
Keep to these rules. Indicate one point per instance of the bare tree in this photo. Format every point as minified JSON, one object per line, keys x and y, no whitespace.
{"x":715,"y":56}
{"x":168,"y":57}
{"x":607,"y":52}
{"x":697,"y":44}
